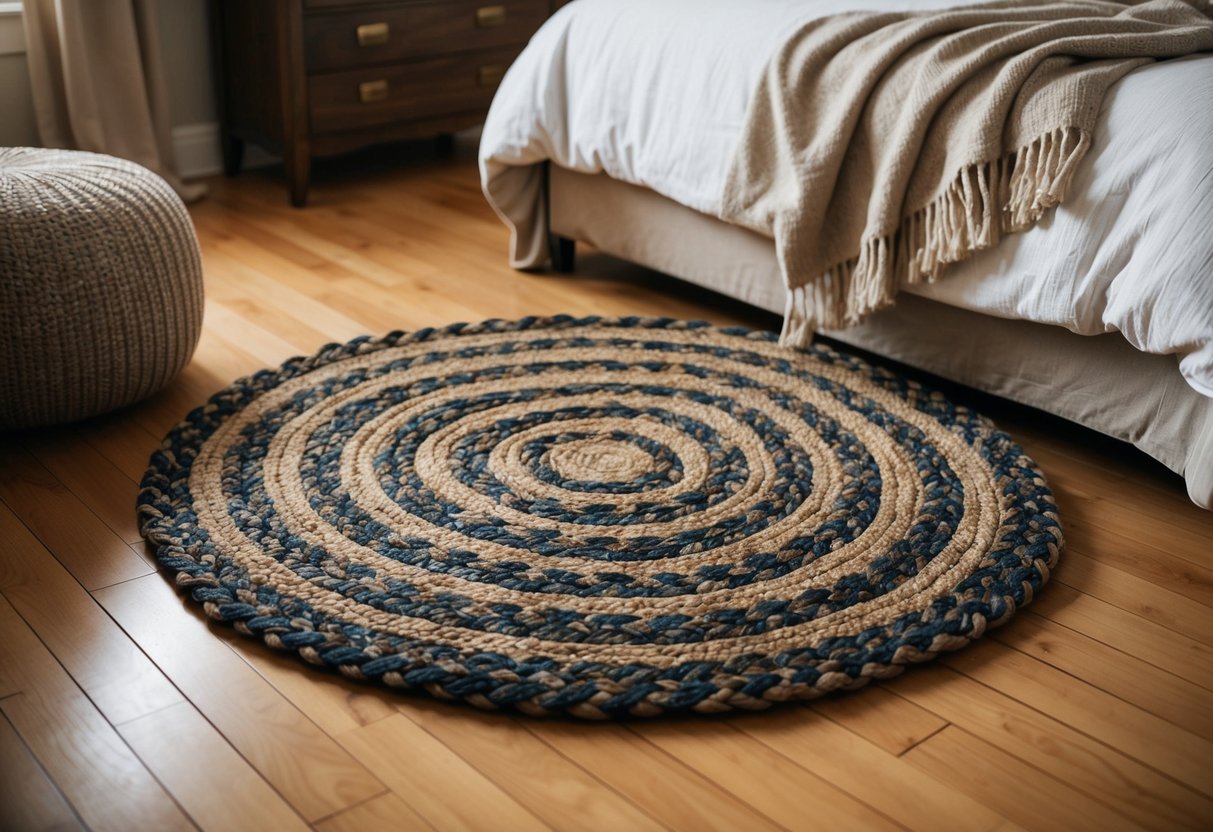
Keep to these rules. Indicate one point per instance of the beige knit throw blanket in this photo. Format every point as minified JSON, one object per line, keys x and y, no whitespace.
{"x":881,"y":147}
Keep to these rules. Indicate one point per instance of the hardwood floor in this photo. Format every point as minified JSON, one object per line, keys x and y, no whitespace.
{"x":123,"y":708}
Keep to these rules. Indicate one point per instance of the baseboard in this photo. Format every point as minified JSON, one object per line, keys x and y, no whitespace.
{"x":196,"y":148}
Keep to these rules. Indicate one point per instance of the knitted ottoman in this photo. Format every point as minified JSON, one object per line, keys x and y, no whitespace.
{"x":100,"y":285}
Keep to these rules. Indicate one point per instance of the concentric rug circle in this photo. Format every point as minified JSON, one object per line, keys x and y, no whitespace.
{"x":600,"y":517}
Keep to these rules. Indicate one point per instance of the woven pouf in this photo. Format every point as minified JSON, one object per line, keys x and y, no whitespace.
{"x":100,"y":285}
{"x":599,"y":517}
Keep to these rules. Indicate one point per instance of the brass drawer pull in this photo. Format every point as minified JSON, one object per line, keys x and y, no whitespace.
{"x":490,"y":74}
{"x":487,"y":16}
{"x":373,"y":34}
{"x":371,"y":91}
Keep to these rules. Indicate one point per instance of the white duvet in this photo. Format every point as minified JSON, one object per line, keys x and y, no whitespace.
{"x":654,"y":92}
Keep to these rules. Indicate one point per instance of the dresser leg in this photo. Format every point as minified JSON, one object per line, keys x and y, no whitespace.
{"x":564,"y":253}
{"x":233,"y":154}
{"x":298,"y":175}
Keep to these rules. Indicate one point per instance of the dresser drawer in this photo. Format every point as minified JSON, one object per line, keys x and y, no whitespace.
{"x":376,"y":96}
{"x":300,"y":79}
{"x":342,"y":40}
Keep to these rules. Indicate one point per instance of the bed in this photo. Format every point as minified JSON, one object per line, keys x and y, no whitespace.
{"x":615,"y":125}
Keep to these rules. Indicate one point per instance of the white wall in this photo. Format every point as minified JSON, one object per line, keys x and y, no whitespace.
{"x":185,"y":40}
{"x":17,"y":128}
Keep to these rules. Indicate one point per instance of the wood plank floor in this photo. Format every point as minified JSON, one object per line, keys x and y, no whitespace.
{"x":122,"y":708}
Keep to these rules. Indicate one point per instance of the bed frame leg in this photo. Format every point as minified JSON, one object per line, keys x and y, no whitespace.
{"x":564,"y":253}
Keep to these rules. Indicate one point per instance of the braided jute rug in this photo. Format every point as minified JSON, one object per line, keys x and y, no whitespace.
{"x":601,"y":517}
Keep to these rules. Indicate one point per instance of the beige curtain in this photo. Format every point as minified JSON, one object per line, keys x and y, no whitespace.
{"x":98,"y":81}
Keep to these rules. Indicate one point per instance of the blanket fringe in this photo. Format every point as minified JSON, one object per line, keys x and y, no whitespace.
{"x":984,"y":201}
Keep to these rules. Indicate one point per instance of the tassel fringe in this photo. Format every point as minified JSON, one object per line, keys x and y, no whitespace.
{"x":984,"y":202}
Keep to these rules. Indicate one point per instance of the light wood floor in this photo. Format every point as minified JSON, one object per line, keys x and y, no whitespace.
{"x":124,"y":709}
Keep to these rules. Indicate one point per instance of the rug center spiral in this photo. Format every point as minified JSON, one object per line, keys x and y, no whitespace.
{"x":599,"y":458}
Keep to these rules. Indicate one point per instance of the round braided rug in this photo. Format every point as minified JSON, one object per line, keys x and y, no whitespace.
{"x":601,"y":517}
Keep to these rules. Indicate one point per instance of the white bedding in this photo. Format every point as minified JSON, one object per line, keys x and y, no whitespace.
{"x":654,"y":92}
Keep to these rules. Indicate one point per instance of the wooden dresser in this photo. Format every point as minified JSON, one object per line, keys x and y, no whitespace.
{"x":309,"y":78}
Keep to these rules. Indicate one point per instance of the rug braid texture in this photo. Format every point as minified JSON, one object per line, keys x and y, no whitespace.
{"x":599,"y":517}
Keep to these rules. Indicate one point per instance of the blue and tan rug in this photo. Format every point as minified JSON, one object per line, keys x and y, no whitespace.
{"x":600,"y":517}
